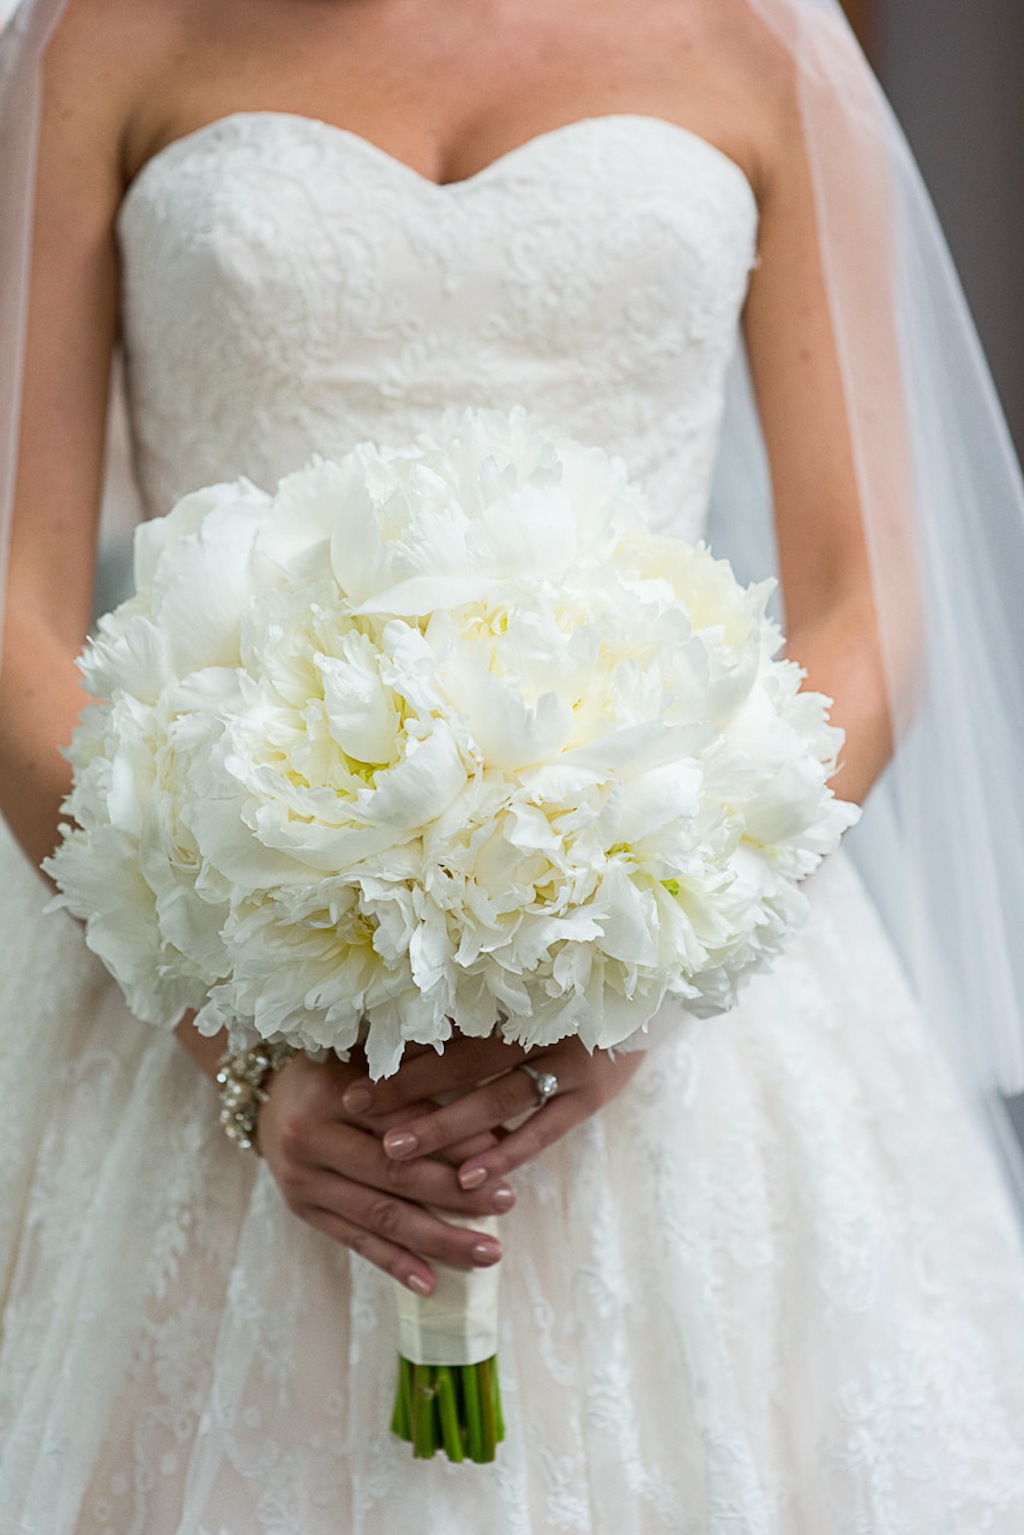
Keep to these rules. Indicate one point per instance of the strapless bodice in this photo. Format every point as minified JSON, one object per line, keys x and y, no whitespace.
{"x":290,"y":289}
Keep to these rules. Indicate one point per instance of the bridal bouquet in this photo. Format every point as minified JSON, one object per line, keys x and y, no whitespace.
{"x":440,"y":733}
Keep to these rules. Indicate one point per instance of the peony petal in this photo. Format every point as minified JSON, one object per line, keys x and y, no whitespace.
{"x":418,"y":789}
{"x":360,"y":711}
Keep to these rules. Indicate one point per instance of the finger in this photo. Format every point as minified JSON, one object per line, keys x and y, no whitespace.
{"x":558,"y":1116}
{"x":378,"y":1122}
{"x":474,"y":1146}
{"x":406,"y":1267}
{"x":407,"y":1225}
{"x":464,"y":1063}
{"x":496,"y":1103}
{"x":303,"y":1140}
{"x":330,"y":1081}
{"x":358,"y":1157}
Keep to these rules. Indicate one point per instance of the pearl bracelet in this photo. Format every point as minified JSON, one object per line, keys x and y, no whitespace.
{"x":242,"y":1080}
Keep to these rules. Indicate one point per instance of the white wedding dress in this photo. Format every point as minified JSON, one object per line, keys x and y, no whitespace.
{"x":774,"y":1288}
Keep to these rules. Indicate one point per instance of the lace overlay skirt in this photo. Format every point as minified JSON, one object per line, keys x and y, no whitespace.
{"x":774,"y":1287}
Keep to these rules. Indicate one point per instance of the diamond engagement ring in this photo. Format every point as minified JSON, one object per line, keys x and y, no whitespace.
{"x":545,"y":1082}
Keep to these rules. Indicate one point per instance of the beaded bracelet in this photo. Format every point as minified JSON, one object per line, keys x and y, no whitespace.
{"x":242,"y":1080}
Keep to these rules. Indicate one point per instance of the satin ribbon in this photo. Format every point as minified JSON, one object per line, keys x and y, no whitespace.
{"x":458,"y":1324}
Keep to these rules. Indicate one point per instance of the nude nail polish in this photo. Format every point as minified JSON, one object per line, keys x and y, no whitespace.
{"x":417,"y":1285}
{"x":503,"y":1198}
{"x":400,"y":1143}
{"x":357,"y":1099}
{"x":486,"y":1252}
{"x":472,"y":1177}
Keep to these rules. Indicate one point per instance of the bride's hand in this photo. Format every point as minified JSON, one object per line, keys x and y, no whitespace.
{"x":335,"y":1175}
{"x":493,"y":1093}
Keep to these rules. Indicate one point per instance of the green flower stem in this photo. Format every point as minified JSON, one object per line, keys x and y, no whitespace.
{"x":424,"y":1394}
{"x":399,"y":1420}
{"x":406,"y":1394}
{"x":499,"y":1416}
{"x":488,"y":1419}
{"x":454,"y":1408}
{"x":474,"y":1421}
{"x":448,"y":1412}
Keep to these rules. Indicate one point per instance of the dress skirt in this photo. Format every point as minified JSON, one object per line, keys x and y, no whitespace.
{"x":774,"y":1288}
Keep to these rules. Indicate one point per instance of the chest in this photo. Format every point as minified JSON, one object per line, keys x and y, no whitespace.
{"x":448,"y":89}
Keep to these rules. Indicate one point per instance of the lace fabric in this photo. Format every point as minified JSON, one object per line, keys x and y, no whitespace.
{"x":311,"y":322}
{"x":774,"y":1287}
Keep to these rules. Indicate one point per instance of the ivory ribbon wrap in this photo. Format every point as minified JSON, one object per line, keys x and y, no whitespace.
{"x":458,"y":1324}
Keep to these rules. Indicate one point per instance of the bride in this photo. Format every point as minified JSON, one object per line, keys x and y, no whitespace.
{"x":764,"y":1275}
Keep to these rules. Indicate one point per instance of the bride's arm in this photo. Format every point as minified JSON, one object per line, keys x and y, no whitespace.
{"x":826,"y":578}
{"x":333,"y":1174}
{"x":71,"y":330}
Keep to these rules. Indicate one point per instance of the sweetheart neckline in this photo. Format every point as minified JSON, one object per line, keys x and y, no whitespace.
{"x":445,"y":189}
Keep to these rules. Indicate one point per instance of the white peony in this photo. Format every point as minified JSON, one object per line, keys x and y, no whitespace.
{"x":440,"y":734}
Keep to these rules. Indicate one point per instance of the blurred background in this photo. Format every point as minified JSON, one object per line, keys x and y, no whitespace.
{"x":955,"y":75}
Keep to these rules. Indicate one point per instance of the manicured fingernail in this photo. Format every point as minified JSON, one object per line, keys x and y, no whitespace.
{"x":399,"y":1143}
{"x":486,"y":1251}
{"x":357,"y":1099}
{"x":472,"y":1177}
{"x":503,"y":1198}
{"x":418,"y":1285}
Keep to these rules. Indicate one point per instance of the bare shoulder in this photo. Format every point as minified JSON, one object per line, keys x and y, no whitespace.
{"x":768,"y":57}
{"x":728,"y":74}
{"x":758,"y":72}
{"x":99,"y":62}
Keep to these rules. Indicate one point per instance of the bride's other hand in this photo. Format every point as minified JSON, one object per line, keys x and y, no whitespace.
{"x":335,"y":1175}
{"x":493,"y":1092}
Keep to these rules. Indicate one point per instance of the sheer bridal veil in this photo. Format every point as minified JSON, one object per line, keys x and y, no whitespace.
{"x":942,"y":841}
